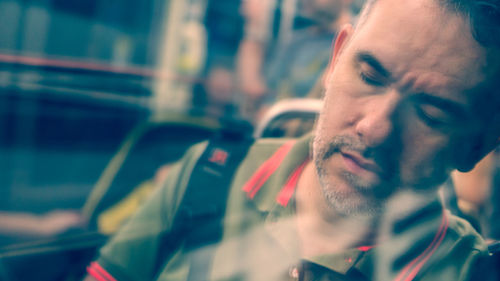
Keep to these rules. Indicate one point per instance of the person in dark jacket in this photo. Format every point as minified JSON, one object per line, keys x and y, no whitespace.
{"x":411,"y":94}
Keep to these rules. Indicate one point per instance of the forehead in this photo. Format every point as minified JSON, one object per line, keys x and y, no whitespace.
{"x":423,"y":45}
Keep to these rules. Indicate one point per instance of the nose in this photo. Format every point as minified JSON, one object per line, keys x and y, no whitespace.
{"x":378,"y":119}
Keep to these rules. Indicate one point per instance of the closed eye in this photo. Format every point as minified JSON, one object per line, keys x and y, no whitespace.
{"x":371,"y":78}
{"x":431,"y":116}
{"x":371,"y":70}
{"x":438,"y":112}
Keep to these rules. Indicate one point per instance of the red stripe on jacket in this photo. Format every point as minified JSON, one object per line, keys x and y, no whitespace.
{"x":287,"y":191}
{"x":412,"y":269}
{"x":253,"y":185}
{"x":99,"y":273}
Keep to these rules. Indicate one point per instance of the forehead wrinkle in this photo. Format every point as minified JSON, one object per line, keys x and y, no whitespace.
{"x":438,"y":43}
{"x":429,"y":82}
{"x":438,"y":48}
{"x":455,"y":49}
{"x":393,"y":41}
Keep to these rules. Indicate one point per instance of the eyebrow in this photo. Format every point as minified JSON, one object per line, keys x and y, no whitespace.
{"x":367,"y":57}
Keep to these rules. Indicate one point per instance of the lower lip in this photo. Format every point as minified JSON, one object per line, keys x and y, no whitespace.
{"x":352,"y":165}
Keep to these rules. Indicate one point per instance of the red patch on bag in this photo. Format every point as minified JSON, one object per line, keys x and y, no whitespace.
{"x":218,"y":156}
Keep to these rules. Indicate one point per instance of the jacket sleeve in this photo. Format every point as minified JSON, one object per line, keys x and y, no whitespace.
{"x":131,"y":253}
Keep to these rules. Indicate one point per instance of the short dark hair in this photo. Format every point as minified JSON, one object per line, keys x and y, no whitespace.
{"x":483,"y":17}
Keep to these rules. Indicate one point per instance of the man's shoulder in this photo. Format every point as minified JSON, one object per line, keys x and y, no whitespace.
{"x":460,"y":254}
{"x":259,"y":151}
{"x":276,"y":151}
{"x":209,"y":154}
{"x":267,"y":146}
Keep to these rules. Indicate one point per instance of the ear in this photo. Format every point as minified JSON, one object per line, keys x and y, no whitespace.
{"x":340,"y":42}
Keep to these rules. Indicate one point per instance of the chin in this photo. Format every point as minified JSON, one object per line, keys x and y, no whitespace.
{"x":350,"y":203}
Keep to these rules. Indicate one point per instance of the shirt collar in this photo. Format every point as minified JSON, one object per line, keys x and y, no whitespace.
{"x":271,"y":188}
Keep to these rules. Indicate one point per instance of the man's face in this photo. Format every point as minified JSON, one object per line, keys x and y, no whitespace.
{"x":398,"y":99}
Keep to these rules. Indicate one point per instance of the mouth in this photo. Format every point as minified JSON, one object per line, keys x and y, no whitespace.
{"x":358,"y":165}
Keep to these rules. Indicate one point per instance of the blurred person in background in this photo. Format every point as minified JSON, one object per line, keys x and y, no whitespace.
{"x":21,"y":226}
{"x":279,"y":59}
{"x":224,"y":27}
{"x":411,"y":95}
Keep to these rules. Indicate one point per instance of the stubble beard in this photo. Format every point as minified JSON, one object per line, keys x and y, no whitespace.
{"x":356,"y":202}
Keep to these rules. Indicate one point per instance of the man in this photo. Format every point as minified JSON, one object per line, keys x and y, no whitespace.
{"x":410,"y":96}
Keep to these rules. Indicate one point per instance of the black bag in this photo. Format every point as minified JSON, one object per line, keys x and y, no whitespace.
{"x":199,"y":219}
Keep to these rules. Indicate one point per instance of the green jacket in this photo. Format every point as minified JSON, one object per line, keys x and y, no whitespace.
{"x":260,"y":242}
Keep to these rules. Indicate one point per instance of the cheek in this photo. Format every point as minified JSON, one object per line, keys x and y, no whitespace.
{"x":339,"y":106}
{"x":425,"y":159}
{"x":329,"y":122}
